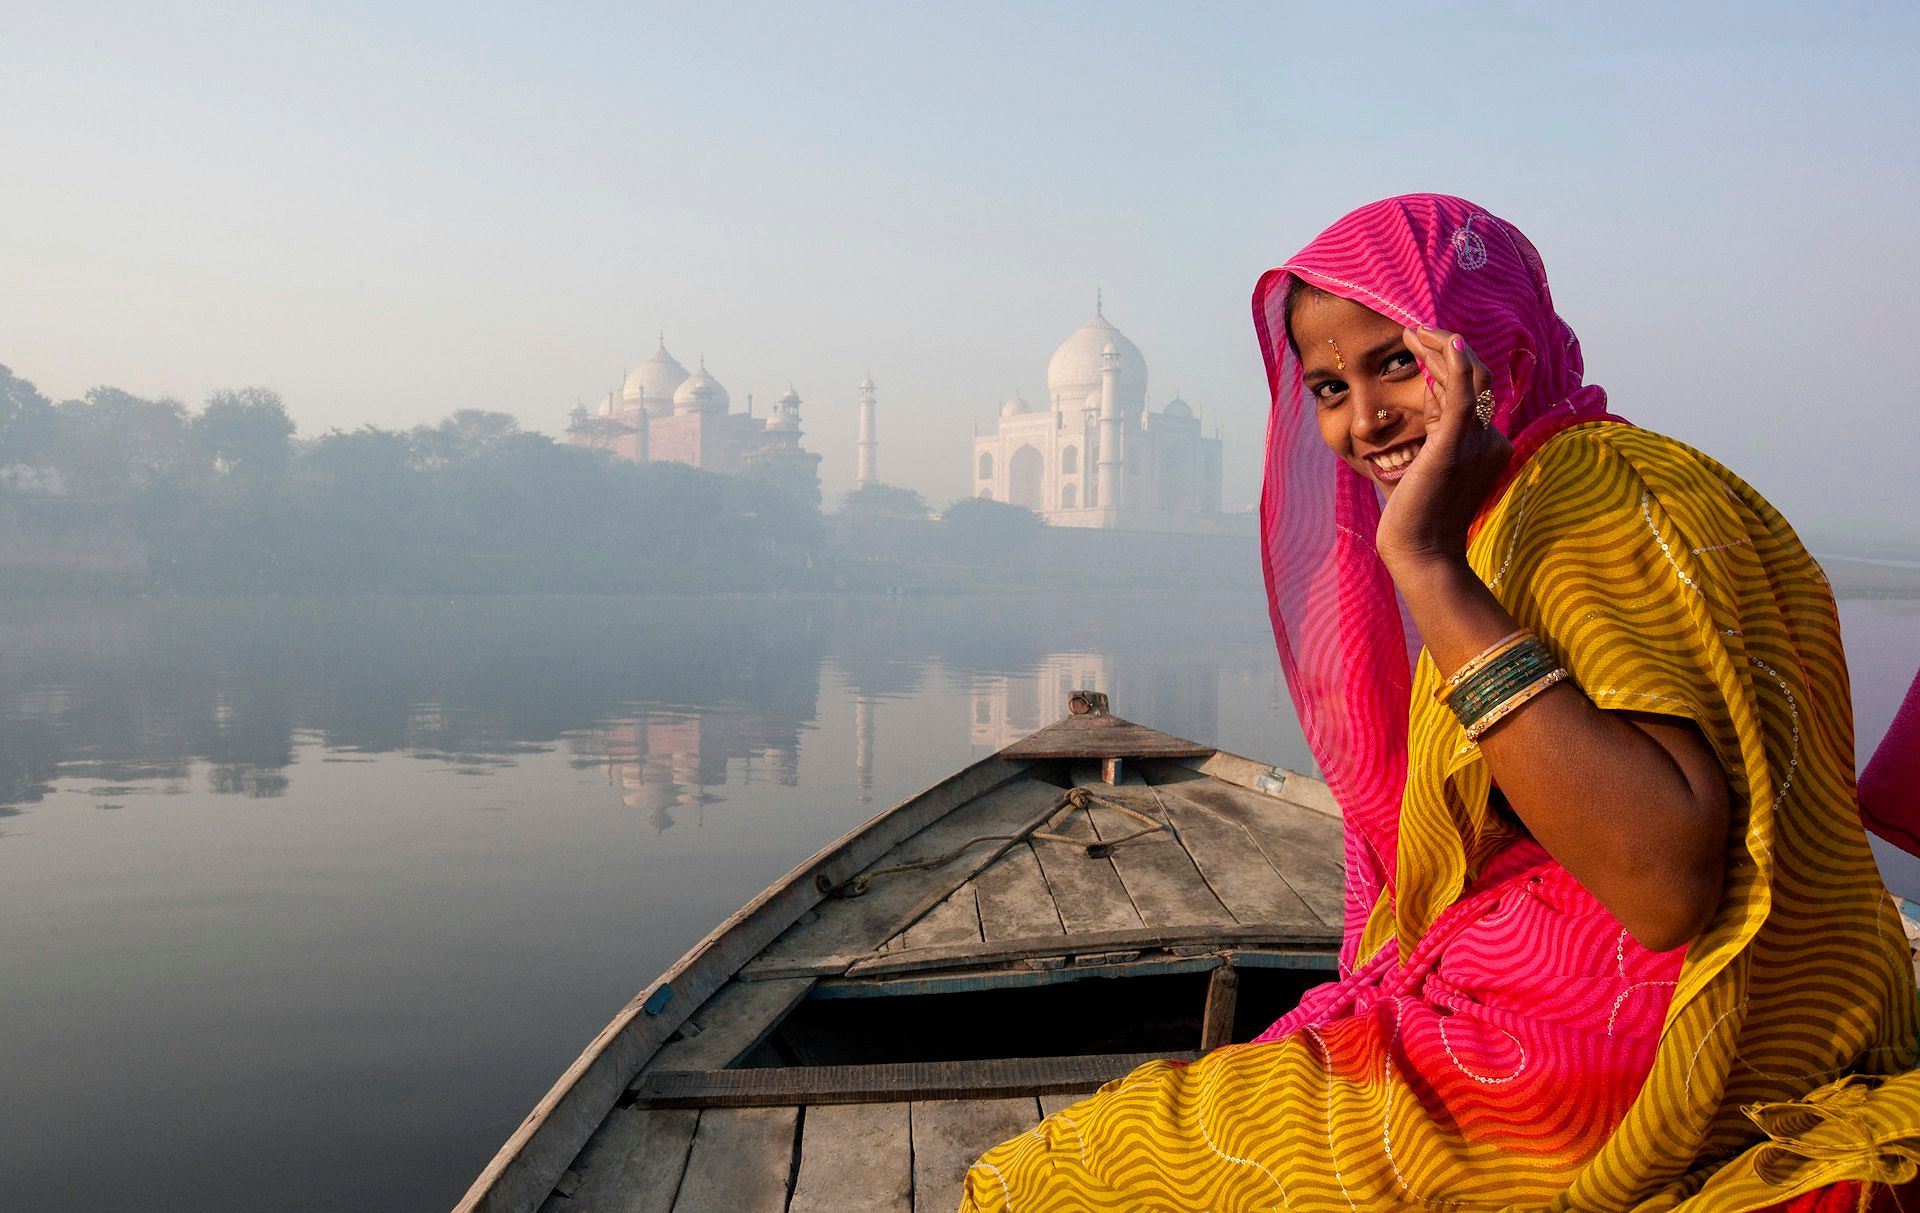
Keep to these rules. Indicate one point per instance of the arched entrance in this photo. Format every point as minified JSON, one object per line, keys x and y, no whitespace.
{"x":1026,"y":472}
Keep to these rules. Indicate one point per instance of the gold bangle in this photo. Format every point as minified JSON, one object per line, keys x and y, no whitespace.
{"x":1486,"y":657}
{"x":1512,"y":703}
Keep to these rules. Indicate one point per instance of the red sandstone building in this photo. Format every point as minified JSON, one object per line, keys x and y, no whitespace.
{"x":663,"y":414}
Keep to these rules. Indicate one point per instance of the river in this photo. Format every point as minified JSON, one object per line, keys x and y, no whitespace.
{"x":306,"y":902}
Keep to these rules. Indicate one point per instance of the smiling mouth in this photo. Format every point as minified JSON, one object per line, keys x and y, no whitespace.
{"x":1391,"y":463}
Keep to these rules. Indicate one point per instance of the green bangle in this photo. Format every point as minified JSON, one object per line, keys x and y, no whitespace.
{"x":1525,"y":664}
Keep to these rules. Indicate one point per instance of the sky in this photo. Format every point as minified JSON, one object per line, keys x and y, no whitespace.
{"x":390,"y":211}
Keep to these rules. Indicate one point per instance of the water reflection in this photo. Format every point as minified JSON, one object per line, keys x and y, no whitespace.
{"x":404,"y":856}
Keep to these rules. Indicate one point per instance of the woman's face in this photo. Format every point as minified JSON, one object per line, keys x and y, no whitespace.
{"x":1364,"y":383}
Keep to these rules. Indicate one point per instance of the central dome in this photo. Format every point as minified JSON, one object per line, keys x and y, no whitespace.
{"x":700,"y":392}
{"x":654,"y":381}
{"x":1074,"y":372}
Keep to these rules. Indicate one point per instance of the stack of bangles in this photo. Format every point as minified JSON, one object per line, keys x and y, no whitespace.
{"x":1495,"y":684}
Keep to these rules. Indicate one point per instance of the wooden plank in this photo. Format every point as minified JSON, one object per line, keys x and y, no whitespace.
{"x":1102,"y":737}
{"x":956,"y":919}
{"x":982,"y":1079}
{"x":1216,"y":1020}
{"x":861,"y":924}
{"x":1015,"y":902}
{"x":1233,"y":864}
{"x":1313,"y":938}
{"x":523,"y":1171}
{"x":1051,"y":1105}
{"x":855,"y":1158}
{"x":633,"y":1164}
{"x":1018,"y":977}
{"x":1293,"y":787}
{"x":742,"y":1161}
{"x":948,"y":1135}
{"x":1303,"y":846}
{"x":731,"y":1023}
{"x":1158,"y":874}
{"x":1086,"y":891}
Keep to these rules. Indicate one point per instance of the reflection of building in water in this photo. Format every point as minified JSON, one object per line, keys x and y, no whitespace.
{"x":1094,"y":454}
{"x":863,"y":745}
{"x":1182,"y":697}
{"x":663,"y":413}
{"x":666,"y":759}
{"x":1006,"y":707}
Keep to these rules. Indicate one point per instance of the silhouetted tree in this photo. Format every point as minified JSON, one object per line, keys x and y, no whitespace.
{"x":883,"y":502}
{"x":246,"y":431}
{"x":27,"y":421}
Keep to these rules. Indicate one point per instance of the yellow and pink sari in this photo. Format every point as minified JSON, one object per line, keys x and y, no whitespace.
{"x":1497,"y":1040}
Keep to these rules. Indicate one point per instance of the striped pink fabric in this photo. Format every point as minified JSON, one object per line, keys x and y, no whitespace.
{"x":1345,"y":645}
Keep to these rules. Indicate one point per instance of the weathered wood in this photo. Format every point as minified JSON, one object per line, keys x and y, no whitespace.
{"x":633,"y":1164}
{"x":1015,"y":902}
{"x":1216,"y":1021}
{"x":1160,"y":877}
{"x":855,"y":1158}
{"x":863,"y":923}
{"x":1291,"y":786}
{"x":523,"y":1171}
{"x":1017,"y":977}
{"x":1234,"y":866}
{"x":956,"y":919}
{"x":948,"y":1135}
{"x":732,"y":1023}
{"x":1307,"y":937}
{"x":986,"y":1078}
{"x":1086,"y":890}
{"x":1303,"y":846}
{"x":1101,"y":737}
{"x":1058,"y":1102}
{"x":742,"y":1161}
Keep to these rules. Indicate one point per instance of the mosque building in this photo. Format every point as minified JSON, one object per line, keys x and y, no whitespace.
{"x":663,"y":414}
{"x":1096,"y":455}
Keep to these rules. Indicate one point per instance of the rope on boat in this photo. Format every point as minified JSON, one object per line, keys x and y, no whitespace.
{"x":1079,"y":798}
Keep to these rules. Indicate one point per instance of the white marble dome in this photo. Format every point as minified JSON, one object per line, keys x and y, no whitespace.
{"x":656,"y":379}
{"x":786,"y":412}
{"x":1014,"y":406}
{"x":1074,"y":372}
{"x":1179,"y":408}
{"x":700,"y":391}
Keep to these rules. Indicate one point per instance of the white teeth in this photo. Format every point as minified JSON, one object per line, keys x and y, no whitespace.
{"x":1395,"y":459}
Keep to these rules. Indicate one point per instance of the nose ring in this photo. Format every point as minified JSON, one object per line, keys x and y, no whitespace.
{"x":1380,"y":414}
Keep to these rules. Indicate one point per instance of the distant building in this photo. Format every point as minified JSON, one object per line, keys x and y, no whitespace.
{"x":1096,"y":456}
{"x":664,"y":414}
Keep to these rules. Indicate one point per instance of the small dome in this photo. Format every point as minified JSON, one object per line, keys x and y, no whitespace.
{"x":1014,"y":406}
{"x":1092,"y":402}
{"x":656,"y":379}
{"x":786,"y":412}
{"x":700,"y":391}
{"x":578,"y":410}
{"x":866,"y":384}
{"x":1179,"y":408}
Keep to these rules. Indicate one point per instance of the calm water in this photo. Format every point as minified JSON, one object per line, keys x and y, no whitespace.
{"x":304,"y":904}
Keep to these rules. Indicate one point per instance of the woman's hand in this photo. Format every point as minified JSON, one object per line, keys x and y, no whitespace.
{"x":1429,"y":512}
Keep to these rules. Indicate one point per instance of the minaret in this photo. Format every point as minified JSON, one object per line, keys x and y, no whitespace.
{"x":869,"y":462}
{"x":1110,"y":427}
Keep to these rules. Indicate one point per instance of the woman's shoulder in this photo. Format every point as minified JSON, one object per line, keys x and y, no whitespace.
{"x":1633,"y":460}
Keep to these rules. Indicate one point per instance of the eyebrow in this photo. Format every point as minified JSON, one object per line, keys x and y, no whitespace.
{"x":1319,"y":374}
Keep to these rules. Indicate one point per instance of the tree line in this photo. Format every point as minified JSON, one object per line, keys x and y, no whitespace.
{"x":113,"y":490}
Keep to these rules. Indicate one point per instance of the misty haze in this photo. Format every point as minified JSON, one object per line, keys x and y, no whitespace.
{"x":482,"y":493}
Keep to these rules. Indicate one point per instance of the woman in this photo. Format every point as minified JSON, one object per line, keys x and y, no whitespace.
{"x":1614,"y":937}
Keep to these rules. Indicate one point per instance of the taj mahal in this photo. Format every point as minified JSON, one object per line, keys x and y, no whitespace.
{"x":1096,"y":455}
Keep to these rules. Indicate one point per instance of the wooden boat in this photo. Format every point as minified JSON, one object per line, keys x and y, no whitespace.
{"x":1095,"y":895}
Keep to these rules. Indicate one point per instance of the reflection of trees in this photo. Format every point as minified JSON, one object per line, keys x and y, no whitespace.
{"x":146,"y":691}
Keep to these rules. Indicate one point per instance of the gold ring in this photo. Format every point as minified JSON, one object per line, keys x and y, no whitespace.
{"x":1381,"y":414}
{"x":1483,"y":406}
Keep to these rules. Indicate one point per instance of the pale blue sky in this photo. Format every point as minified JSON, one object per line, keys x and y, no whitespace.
{"x":391,"y":211}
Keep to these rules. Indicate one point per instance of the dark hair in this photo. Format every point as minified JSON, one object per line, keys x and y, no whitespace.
{"x":1297,"y":290}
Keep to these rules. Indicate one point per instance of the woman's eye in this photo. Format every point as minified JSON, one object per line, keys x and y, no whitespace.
{"x":1328,"y":389}
{"x":1398,"y":362}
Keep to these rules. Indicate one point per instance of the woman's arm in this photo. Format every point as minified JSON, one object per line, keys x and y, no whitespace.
{"x":1636,"y":807}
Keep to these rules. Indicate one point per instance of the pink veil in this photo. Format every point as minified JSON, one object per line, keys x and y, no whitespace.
{"x":1345,"y":647}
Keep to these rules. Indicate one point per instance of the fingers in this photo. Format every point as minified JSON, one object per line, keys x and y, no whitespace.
{"x":1455,"y":374}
